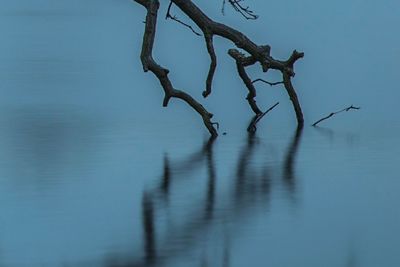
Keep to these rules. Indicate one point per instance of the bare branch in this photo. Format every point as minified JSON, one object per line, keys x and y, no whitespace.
{"x":252,"y":126}
{"x":161,"y":73}
{"x":247,"y":81}
{"x":267,"y":82}
{"x":247,"y":53}
{"x":334,"y":113}
{"x":174,"y":18}
{"x":293,"y":58}
{"x":293,"y":97}
{"x":213,"y":64}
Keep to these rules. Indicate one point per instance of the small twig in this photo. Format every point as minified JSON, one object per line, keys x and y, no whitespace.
{"x":174,"y":18}
{"x":246,"y":12}
{"x":334,"y":113}
{"x":267,"y":82}
{"x":252,"y":127}
{"x":264,"y":113}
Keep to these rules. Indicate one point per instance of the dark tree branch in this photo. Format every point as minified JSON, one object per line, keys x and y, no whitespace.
{"x":293,"y":97}
{"x":253,"y":123}
{"x":334,"y":113}
{"x":161,"y":73}
{"x":293,"y":58}
{"x":267,"y":82}
{"x":247,"y":81}
{"x":174,"y":18}
{"x":213,"y":64}
{"x":254,"y":54}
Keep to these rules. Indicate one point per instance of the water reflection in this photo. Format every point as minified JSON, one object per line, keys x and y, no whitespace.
{"x":247,"y":194}
{"x":43,"y":143}
{"x":350,"y":138}
{"x":289,"y":163}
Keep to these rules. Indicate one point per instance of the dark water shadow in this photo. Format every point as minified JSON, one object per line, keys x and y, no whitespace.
{"x":248,"y":189}
{"x":335,"y":136}
{"x":47,"y":141}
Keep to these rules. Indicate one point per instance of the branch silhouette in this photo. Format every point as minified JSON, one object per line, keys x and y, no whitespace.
{"x":245,"y":54}
{"x":334,"y":113}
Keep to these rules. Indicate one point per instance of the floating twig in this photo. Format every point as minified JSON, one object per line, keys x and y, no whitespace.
{"x":334,"y":113}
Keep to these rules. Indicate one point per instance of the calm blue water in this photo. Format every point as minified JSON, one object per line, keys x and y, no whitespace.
{"x":94,"y":172}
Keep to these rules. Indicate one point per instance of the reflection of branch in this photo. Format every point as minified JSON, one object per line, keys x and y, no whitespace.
{"x":242,"y":166}
{"x":149,"y":231}
{"x":290,"y":157}
{"x":210,"y":202}
{"x":252,"y":126}
{"x":174,"y":18}
{"x":189,"y":164}
{"x":334,"y":113}
{"x":165,"y":184}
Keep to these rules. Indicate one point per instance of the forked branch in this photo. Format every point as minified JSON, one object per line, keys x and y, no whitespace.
{"x":245,"y":11}
{"x":161,"y":73}
{"x":175,"y":18}
{"x":252,"y":54}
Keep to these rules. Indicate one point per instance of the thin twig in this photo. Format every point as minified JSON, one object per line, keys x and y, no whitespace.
{"x":267,"y":82}
{"x":174,"y":18}
{"x":246,"y":12}
{"x":334,"y":113}
{"x":252,"y":127}
{"x":268,"y":110}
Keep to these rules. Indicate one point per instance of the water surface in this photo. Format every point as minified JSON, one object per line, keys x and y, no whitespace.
{"x":94,"y":172}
